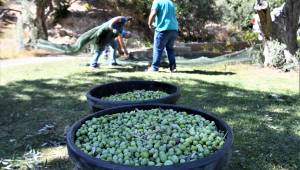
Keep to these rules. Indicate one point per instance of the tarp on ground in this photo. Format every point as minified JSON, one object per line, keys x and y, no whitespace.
{"x":99,"y":33}
{"x":235,"y":57}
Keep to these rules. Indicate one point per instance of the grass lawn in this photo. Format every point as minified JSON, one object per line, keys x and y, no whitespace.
{"x":40,"y":101}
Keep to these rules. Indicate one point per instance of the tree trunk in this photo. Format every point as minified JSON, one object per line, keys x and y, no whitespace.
{"x":41,"y":18}
{"x":263,"y":10}
{"x":286,"y":25}
{"x":282,"y":26}
{"x":34,"y":19}
{"x":20,"y":32}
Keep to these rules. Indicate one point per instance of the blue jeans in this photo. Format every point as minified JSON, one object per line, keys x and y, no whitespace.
{"x":162,"y":40}
{"x":112,"y":57}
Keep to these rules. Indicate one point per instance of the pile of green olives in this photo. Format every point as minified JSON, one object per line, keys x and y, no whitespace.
{"x":154,"y":137}
{"x":136,"y":95}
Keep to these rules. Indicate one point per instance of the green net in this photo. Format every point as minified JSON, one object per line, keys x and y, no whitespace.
{"x":244,"y":55}
{"x":239,"y":56}
{"x":99,"y":36}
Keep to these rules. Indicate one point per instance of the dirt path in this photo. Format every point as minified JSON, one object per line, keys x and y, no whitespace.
{"x":32,"y":60}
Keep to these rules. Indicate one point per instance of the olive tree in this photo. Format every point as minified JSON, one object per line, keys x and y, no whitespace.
{"x":240,"y":12}
{"x":281,"y":27}
{"x":35,"y":16}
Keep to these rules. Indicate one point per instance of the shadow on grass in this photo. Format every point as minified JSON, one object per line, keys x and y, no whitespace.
{"x":264,"y":129}
{"x":29,"y":106}
{"x":131,"y":68}
{"x":137,"y":68}
{"x":211,"y":73}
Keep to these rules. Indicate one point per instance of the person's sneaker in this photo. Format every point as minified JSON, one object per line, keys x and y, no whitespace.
{"x":173,"y":69}
{"x":150,"y":69}
{"x":94,"y":66}
{"x":115,"y":64}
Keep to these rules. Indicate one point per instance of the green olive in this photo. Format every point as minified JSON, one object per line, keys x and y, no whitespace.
{"x":136,"y":95}
{"x":154,"y":137}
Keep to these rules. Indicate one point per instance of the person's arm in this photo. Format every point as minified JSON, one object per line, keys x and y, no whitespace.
{"x":151,"y":18}
{"x":119,"y":46}
{"x":122,"y":45}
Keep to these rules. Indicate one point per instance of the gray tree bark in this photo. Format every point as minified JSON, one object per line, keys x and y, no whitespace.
{"x":34,"y":18}
{"x":281,"y":26}
{"x":284,"y":25}
{"x":263,"y":10}
{"x":41,"y":17}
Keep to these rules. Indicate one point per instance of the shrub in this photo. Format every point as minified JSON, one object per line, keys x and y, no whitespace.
{"x":274,"y":54}
{"x":250,"y":37}
{"x":241,"y":12}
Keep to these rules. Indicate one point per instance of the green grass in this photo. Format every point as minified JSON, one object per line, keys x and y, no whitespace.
{"x":266,"y":130}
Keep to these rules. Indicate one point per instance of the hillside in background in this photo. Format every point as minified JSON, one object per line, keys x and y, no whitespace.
{"x":83,"y":16}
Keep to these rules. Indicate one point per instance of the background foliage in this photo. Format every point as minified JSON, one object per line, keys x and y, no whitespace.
{"x":240,"y":12}
{"x":237,"y":12}
{"x":187,"y":11}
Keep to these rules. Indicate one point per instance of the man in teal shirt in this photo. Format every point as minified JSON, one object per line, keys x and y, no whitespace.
{"x":166,"y":32}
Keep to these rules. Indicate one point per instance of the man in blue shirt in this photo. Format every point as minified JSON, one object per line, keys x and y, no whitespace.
{"x":166,"y":32}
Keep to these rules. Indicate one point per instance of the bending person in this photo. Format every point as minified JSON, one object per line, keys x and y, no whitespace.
{"x":100,"y":36}
{"x":122,"y":49}
{"x":117,"y":45}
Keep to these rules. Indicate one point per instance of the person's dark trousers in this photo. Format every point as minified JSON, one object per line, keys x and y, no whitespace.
{"x":162,"y":40}
{"x":113,"y":45}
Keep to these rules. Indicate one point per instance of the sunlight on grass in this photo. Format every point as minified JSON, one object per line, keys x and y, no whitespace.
{"x":54,"y":153}
{"x":52,"y":70}
{"x":221,"y":109}
{"x":22,"y":97}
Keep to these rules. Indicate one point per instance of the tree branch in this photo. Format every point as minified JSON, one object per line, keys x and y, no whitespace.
{"x":261,"y":5}
{"x":263,"y":10}
{"x":9,"y":9}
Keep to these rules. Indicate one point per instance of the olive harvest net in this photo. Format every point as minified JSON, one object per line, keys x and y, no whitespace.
{"x":244,"y":55}
{"x":100,"y":33}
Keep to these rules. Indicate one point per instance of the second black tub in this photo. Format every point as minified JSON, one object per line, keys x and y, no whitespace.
{"x":96,"y":94}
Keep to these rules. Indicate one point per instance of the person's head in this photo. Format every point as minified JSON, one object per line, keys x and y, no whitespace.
{"x":129,"y":18}
{"x":128,"y":22}
{"x":124,"y":19}
{"x":120,"y":22}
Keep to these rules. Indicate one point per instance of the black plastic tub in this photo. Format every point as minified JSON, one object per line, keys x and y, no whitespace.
{"x":96,"y":103}
{"x":215,"y":161}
